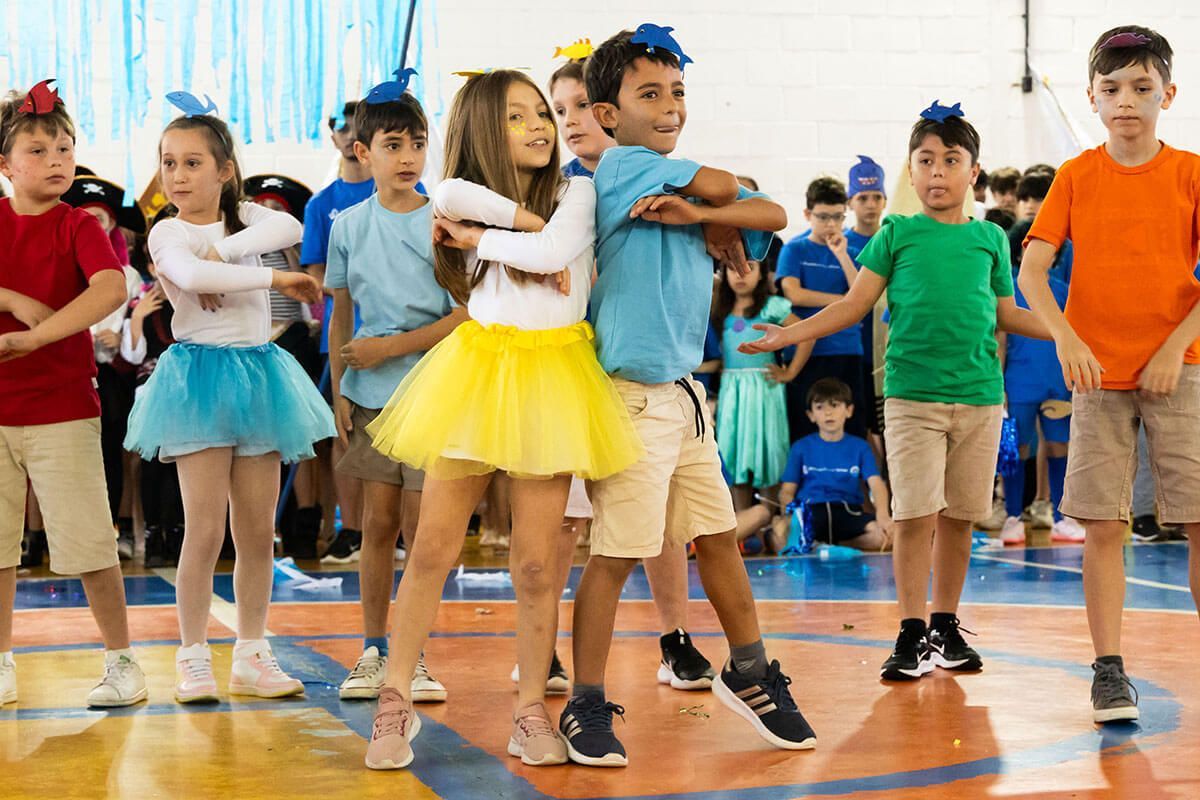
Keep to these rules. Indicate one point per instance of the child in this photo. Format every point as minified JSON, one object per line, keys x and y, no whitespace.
{"x":813,"y":272}
{"x":949,"y":285}
{"x":381,"y":261}
{"x":1003,"y":183}
{"x":58,"y":276}
{"x":1031,"y":191}
{"x":828,"y":469}
{"x":516,"y":389}
{"x":680,"y":665}
{"x":1123,"y":360}
{"x":867,"y":200}
{"x":352,"y":185}
{"x":650,"y":306}
{"x":752,"y":413}
{"x":224,"y":403}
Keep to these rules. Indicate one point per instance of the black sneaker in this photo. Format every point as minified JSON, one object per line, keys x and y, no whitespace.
{"x":1114,"y":698}
{"x":345,"y":547}
{"x":155,"y":554}
{"x":910,"y":659}
{"x":767,"y":705}
{"x":124,"y":538}
{"x":557,"y":682}
{"x":586,"y":724}
{"x":949,"y":650}
{"x":682,"y":665}
{"x":33,"y":548}
{"x":1147,"y":529}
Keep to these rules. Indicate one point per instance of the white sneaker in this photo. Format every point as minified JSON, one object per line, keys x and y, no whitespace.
{"x":8,"y":679}
{"x":401,"y":555}
{"x":1041,"y":514}
{"x":1013,"y":531}
{"x":366,"y":679}
{"x":996,"y":521}
{"x":256,"y":673}
{"x":194,"y":679}
{"x":1067,"y":530}
{"x":425,"y":687}
{"x":123,"y":683}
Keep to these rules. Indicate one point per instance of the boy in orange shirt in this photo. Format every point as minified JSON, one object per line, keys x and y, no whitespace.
{"x":1132,"y":209}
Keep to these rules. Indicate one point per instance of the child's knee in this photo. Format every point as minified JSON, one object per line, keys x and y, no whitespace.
{"x":533,"y":577}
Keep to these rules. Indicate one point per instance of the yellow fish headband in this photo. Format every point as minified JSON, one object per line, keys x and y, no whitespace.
{"x":475,"y":73}
{"x":580,"y":50}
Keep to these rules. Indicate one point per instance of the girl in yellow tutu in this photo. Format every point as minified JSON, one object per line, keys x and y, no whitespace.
{"x":516,"y":389}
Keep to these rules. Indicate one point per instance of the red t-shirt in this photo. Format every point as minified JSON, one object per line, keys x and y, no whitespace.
{"x":50,"y":257}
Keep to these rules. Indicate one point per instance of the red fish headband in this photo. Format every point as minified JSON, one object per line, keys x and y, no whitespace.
{"x":41,"y":99}
{"x":1126,"y":39}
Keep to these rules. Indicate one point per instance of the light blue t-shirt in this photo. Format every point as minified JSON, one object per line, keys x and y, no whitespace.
{"x":385,"y":259}
{"x":817,"y":269}
{"x":651,"y":301}
{"x":319,"y":215}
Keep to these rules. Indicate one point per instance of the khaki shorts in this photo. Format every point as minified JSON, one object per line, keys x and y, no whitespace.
{"x":1103,"y":455}
{"x":368,"y":464}
{"x":941,"y":458}
{"x":677,"y":490}
{"x":64,"y":464}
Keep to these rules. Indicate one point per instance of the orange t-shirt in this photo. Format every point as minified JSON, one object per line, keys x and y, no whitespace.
{"x":1135,"y":231}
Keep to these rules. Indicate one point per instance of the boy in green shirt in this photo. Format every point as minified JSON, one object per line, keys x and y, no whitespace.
{"x":949,"y":284}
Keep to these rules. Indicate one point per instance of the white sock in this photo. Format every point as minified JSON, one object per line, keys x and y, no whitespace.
{"x":7,"y":658}
{"x":113,"y":655}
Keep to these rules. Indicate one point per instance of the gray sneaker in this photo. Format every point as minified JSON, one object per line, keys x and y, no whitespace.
{"x":1114,"y":698}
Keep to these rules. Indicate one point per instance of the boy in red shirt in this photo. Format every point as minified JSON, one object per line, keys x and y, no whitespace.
{"x":58,"y":276}
{"x":1132,"y":209}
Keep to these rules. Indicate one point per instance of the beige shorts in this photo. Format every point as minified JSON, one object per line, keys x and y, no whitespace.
{"x":64,"y":464}
{"x":941,"y":458}
{"x":368,"y":464}
{"x":677,"y":489}
{"x":1103,"y":454}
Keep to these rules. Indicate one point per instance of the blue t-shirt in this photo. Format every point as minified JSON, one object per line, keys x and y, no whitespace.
{"x":712,"y":351}
{"x":575,"y":169}
{"x":830,"y":472}
{"x":817,"y":268}
{"x":855,"y":242}
{"x":1032,"y":373}
{"x":319,"y":215}
{"x":385,"y":259}
{"x":651,"y":301}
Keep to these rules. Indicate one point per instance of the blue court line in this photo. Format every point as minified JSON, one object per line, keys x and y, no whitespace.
{"x":455,"y":769}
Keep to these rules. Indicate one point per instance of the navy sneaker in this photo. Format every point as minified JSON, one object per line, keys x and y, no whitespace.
{"x":767,"y":705}
{"x":949,"y":650}
{"x":586,"y":724}
{"x":910,"y":659}
{"x":682,"y":665}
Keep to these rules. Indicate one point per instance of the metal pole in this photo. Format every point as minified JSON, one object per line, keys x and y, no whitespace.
{"x":412,"y":10}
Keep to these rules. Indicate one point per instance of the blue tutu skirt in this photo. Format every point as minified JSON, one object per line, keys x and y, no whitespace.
{"x":254,"y":399}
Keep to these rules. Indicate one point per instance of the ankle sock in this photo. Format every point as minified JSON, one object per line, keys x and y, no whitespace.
{"x":750,"y":659}
{"x":580,"y":689}
{"x":378,"y":642}
{"x":940,"y":621}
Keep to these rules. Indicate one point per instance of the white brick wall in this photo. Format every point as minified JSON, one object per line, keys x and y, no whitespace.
{"x":781,"y":89}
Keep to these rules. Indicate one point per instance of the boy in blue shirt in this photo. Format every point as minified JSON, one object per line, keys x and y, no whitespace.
{"x":381,"y":260}
{"x":813,"y":272}
{"x":828,"y":469}
{"x":353,"y":185}
{"x":867,"y":199}
{"x":650,"y":309}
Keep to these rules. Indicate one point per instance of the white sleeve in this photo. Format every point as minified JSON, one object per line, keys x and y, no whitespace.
{"x":266,"y":231}
{"x":134,"y":355}
{"x":173,"y":258}
{"x":568,"y":233}
{"x":458,"y":199}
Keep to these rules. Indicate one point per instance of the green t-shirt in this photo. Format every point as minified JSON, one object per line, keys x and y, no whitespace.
{"x":942,"y":285}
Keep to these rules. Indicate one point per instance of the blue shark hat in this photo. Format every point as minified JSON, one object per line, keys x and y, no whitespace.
{"x":866,"y":176}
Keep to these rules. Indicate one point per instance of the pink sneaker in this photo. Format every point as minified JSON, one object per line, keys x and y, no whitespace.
{"x":194,"y":680}
{"x":1013,"y":531}
{"x":1067,"y":530}
{"x":535,"y":739}
{"x":396,"y":725}
{"x":256,"y":673}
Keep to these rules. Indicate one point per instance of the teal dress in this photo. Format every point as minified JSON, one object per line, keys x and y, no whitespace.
{"x":752,"y":426}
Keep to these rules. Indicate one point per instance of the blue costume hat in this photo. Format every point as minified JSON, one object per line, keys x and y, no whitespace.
{"x":866,"y":176}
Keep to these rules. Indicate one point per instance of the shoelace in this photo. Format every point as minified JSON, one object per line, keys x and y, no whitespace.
{"x":390,"y":722}
{"x":776,"y":685}
{"x":535,"y":725}
{"x":366,"y":667}
{"x":597,"y":716}
{"x":952,"y":633}
{"x":196,"y":669}
{"x":422,"y":671}
{"x":1111,"y":680}
{"x":272,"y":666}
{"x":115,"y":671}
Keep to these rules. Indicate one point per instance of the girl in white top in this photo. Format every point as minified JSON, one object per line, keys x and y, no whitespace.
{"x":517,"y":389}
{"x":223,"y":402}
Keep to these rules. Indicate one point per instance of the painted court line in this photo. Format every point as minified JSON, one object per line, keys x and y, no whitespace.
{"x":224,"y":611}
{"x":1077,"y":571}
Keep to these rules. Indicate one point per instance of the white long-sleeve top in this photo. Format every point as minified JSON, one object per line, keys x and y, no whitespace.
{"x":244,"y":319}
{"x":567,"y":242}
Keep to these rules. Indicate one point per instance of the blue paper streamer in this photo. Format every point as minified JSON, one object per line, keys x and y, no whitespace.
{"x":270,"y":53}
{"x":1008,"y":461}
{"x":239,"y":91}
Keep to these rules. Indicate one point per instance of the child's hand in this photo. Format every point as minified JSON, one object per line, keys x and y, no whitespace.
{"x":213,"y":255}
{"x":296,"y":285}
{"x":774,"y":338}
{"x":667,"y":209}
{"x":210,"y":302}
{"x":30,"y":312}
{"x":366,"y":353}
{"x":564,"y":282}
{"x":724,"y":243}
{"x":109,"y":340}
{"x":459,"y":235}
{"x":778,"y":374}
{"x":887,"y":527}
{"x":1160,"y":376}
{"x":1081,"y":370}
{"x":836,"y":242}
{"x":341,"y":415}
{"x":151,"y":301}
{"x":17,"y":344}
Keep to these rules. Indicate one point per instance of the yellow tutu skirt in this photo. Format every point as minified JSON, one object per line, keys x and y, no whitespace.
{"x":529,"y":403}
